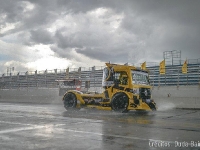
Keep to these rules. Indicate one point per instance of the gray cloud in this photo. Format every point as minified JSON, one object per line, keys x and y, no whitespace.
{"x":117,"y":31}
{"x":41,"y":36}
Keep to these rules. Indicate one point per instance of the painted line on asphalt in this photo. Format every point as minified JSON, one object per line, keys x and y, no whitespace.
{"x":16,"y":123}
{"x":116,"y":136}
{"x":20,"y":129}
{"x":31,"y":127}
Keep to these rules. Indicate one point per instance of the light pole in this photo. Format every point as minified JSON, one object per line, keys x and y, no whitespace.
{"x":174,"y":54}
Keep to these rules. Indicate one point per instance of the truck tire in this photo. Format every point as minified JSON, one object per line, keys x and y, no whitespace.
{"x":119,"y":102}
{"x":70,"y":101}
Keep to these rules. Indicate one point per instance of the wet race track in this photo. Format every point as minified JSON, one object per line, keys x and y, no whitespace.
{"x":49,"y":127}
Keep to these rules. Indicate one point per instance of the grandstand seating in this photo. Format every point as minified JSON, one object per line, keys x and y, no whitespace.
{"x":174,"y":75}
{"x":47,"y":79}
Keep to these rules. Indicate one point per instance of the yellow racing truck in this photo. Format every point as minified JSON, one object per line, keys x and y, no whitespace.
{"x":125,"y":88}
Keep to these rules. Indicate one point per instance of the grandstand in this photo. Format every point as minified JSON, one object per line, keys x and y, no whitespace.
{"x":47,"y":78}
{"x":174,"y":75}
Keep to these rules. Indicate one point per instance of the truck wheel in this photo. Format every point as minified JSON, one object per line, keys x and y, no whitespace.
{"x":70,"y":101}
{"x":119,"y":102}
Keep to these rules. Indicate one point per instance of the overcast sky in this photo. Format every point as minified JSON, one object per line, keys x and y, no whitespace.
{"x":49,"y":34}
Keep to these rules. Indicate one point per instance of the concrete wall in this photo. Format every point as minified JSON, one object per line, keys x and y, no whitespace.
{"x":41,"y":96}
{"x":166,"y":97}
{"x":177,"y":97}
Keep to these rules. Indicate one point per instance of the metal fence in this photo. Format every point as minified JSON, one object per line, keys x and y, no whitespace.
{"x":47,"y":78}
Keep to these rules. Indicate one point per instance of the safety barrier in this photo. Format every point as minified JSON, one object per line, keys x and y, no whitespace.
{"x":168,"y":97}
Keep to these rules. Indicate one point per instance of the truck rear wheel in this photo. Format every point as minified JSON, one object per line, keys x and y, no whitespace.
{"x":70,"y":101}
{"x":119,"y":102}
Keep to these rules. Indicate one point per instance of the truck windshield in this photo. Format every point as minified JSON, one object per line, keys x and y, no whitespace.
{"x":140,"y":77}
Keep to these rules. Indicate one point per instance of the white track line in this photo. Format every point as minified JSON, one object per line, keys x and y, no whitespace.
{"x":71,"y":130}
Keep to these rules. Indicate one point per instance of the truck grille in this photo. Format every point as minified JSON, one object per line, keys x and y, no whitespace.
{"x":145,"y":93}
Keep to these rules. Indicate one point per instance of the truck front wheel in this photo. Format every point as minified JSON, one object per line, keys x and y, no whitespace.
{"x":70,"y":101}
{"x":120,"y":102}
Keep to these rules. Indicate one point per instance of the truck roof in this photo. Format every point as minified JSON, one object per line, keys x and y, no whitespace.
{"x":126,"y":66}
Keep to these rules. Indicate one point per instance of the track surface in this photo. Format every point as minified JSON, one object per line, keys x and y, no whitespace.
{"x":49,"y":127}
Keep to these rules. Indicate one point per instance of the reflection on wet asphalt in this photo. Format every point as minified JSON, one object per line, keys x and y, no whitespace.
{"x":31,"y":126}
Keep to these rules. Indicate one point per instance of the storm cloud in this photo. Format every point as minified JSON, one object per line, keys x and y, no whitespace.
{"x":87,"y":32}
